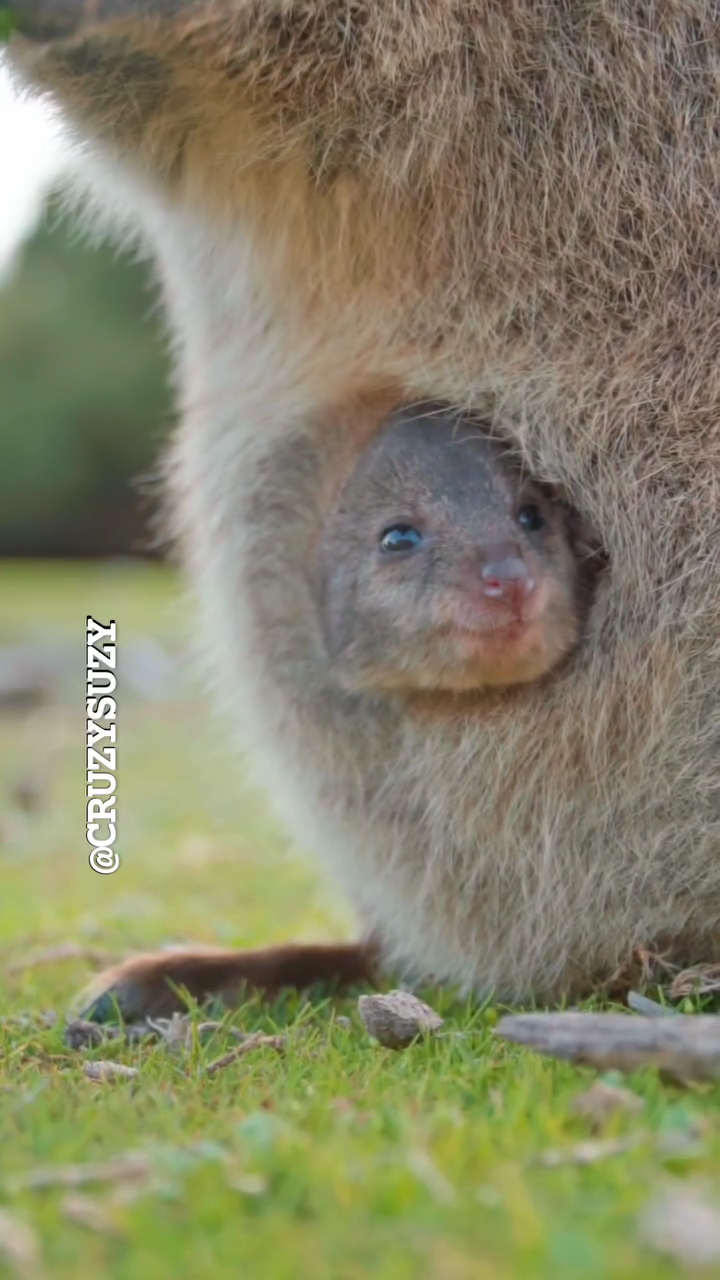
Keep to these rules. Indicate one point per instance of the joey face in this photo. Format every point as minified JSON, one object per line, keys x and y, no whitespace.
{"x":441,"y":567}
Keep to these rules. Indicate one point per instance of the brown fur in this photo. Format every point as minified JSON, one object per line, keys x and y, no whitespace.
{"x":510,"y":206}
{"x":145,"y":989}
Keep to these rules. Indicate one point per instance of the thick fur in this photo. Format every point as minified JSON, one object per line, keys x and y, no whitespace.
{"x":145,"y":988}
{"x":513,"y":207}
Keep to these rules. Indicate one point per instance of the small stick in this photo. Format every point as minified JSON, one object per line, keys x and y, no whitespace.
{"x":686,"y":1047}
{"x":649,"y":1008}
{"x":106,"y":1072}
{"x":258,"y":1041}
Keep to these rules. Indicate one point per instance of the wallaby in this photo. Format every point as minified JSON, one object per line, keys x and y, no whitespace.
{"x":510,"y":209}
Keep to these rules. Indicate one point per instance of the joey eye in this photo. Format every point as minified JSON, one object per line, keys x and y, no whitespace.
{"x":399,"y":538}
{"x":530,"y":518}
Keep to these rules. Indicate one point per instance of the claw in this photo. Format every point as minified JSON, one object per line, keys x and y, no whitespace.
{"x":105,"y":1009}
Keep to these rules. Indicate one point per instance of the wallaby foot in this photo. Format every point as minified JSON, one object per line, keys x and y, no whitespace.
{"x":152,"y":985}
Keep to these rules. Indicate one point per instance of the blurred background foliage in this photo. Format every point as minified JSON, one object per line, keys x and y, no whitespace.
{"x":84,"y":399}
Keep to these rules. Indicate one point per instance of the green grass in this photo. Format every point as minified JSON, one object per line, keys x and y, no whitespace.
{"x":338,"y":1160}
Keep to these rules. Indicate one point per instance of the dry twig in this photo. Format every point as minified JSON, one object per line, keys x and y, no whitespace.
{"x":686,"y":1048}
{"x":257,"y":1041}
{"x":131,"y":1167}
{"x":108,"y":1072}
{"x":701,"y":980}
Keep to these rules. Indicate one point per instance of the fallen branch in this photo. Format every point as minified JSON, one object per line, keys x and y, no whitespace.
{"x":686,"y":1047}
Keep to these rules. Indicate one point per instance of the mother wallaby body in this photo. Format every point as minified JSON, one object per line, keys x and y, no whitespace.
{"x":511,"y":207}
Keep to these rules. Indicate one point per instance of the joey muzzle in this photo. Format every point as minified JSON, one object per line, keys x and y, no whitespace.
{"x":505,"y":578}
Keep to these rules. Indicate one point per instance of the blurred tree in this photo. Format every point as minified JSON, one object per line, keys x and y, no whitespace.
{"x":84,"y":404}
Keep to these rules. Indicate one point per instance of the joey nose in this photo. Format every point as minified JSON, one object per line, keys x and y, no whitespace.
{"x":506,"y":578}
